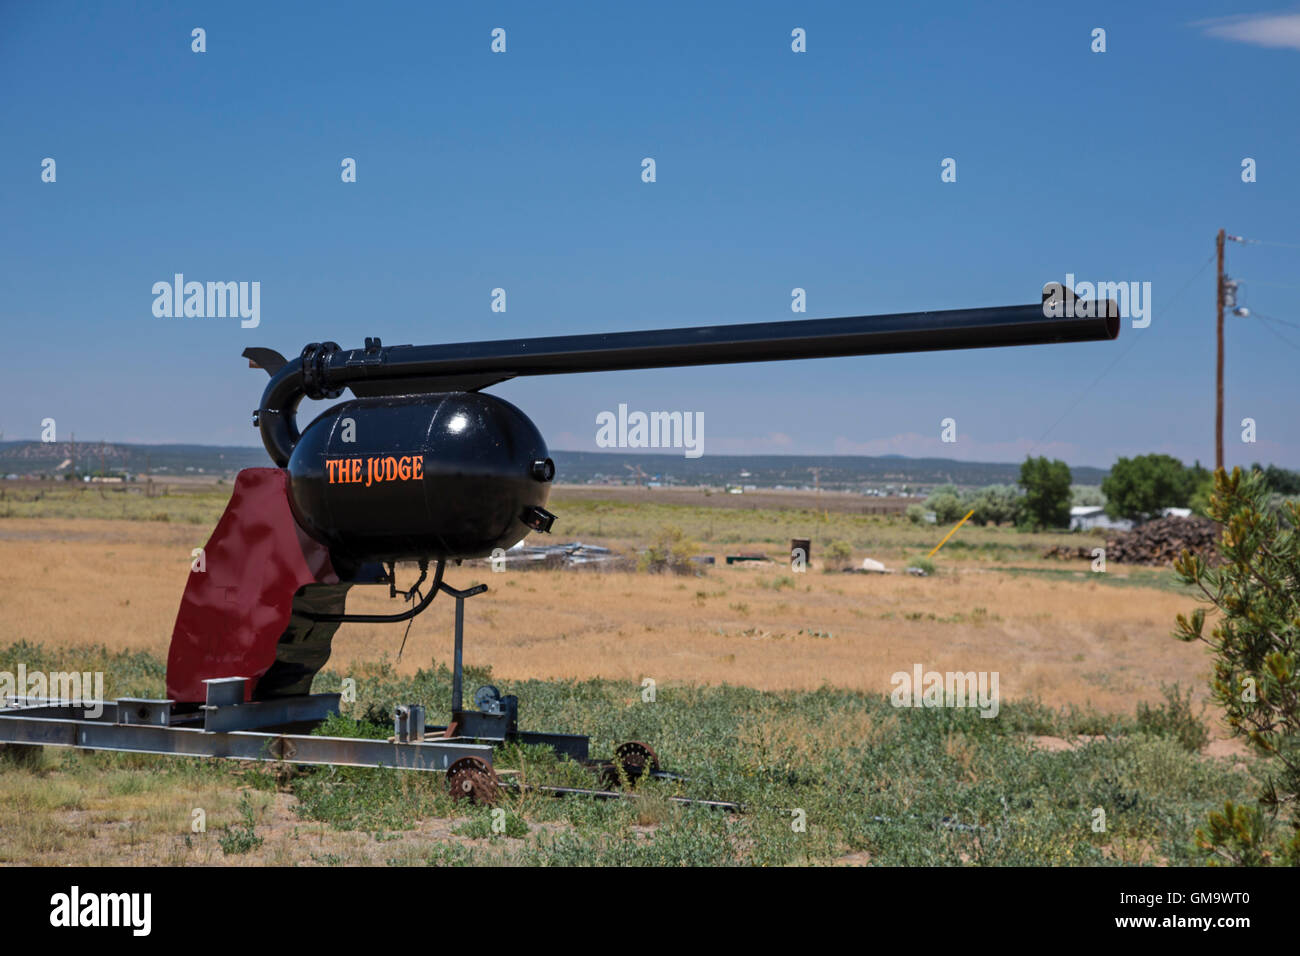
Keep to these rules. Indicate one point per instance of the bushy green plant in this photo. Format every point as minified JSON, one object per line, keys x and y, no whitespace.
{"x":1138,"y":488}
{"x":237,"y":838}
{"x":671,"y":551}
{"x":993,"y":504}
{"x":1175,"y":719}
{"x":1256,"y":646}
{"x":1046,"y":503}
{"x":838,"y":553}
{"x":924,"y":563}
{"x":1278,"y":480}
{"x":947,"y":507}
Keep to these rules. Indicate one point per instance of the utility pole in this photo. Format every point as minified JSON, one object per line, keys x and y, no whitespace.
{"x":1218,"y":388}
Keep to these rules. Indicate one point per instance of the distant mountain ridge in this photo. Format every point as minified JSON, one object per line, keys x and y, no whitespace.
{"x":833,"y":471}
{"x":573,"y":467}
{"x":53,"y":458}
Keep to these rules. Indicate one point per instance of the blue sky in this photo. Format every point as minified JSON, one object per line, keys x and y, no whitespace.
{"x":775,"y":170}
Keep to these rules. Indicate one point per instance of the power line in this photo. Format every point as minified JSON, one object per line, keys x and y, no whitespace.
{"x":1265,"y":242}
{"x":1115,"y":361}
{"x":1269,"y":321}
{"x":1272,"y":318}
{"x":1280,"y":285}
{"x":1269,"y":325}
{"x":1084,"y":394}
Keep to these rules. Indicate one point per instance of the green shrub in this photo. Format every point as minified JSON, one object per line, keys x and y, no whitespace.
{"x":1174,"y":719}
{"x":838,"y":552}
{"x":947,"y":507}
{"x":241,"y":837}
{"x":1255,"y":642}
{"x":1046,"y":502}
{"x":671,"y":551}
{"x":994,"y":504}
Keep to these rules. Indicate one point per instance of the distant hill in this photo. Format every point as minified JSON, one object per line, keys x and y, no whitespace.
{"x":573,"y":467}
{"x":57,"y":458}
{"x":794,"y":471}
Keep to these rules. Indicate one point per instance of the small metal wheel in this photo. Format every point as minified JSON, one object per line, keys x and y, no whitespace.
{"x":636,"y":759}
{"x":485,"y":696}
{"x":470,"y":778}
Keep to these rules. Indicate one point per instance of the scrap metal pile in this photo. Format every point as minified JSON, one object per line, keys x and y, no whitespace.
{"x":570,"y":555}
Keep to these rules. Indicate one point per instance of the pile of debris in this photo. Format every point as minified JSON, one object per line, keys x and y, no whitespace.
{"x":1161,"y":541}
{"x":542,"y":556}
{"x":1157,"y":542}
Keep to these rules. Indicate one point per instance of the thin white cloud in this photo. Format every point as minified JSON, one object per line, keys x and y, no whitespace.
{"x":1280,"y":30}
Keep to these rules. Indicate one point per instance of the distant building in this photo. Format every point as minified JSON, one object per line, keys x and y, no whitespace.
{"x":1087,"y":517}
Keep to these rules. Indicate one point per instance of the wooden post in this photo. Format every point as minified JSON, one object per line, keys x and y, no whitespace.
{"x":1218,"y":388}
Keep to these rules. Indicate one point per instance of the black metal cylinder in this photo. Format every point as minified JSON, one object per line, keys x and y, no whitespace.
{"x":448,"y":475}
{"x":718,"y":345}
{"x":324,"y":369}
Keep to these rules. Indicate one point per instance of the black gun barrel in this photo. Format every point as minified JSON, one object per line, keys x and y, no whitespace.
{"x":324,"y":369}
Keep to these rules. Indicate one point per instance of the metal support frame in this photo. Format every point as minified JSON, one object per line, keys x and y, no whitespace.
{"x":236,"y":745}
{"x":233,"y":729}
{"x":230,"y":726}
{"x":501,"y":724}
{"x":227,"y":710}
{"x":458,"y":653}
{"x":574,"y":746}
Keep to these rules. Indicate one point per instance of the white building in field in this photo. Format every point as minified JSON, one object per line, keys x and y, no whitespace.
{"x":1087,"y":517}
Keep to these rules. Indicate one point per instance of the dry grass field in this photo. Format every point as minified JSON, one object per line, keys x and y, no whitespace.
{"x":774,"y":683}
{"x":1059,"y":633}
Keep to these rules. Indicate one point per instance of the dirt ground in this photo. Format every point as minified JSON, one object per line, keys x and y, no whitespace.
{"x":130,"y":818}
